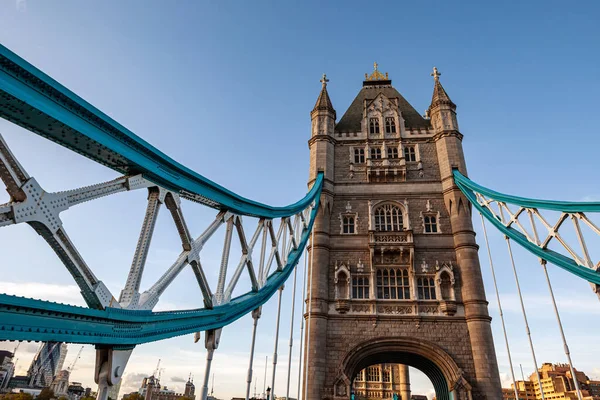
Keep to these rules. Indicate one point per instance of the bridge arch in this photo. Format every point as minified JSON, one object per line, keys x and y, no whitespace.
{"x":445,"y":375}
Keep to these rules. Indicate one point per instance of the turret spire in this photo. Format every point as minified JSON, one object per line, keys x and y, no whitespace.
{"x":439,"y":94}
{"x":324,"y":102}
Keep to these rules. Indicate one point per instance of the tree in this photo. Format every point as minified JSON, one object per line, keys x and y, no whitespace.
{"x":45,"y":394}
{"x":62,"y":398}
{"x":133,"y":396}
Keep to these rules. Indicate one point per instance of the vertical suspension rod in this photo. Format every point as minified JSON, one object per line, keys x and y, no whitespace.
{"x":255,"y":317}
{"x":556,"y":313}
{"x":287,"y":390}
{"x":537,"y":371}
{"x":487,"y":245}
{"x":562,"y":332}
{"x":309,"y":307}
{"x":302,"y":325}
{"x":279,"y":295}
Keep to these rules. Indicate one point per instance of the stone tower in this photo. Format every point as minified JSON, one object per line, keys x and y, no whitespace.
{"x":395,"y":275}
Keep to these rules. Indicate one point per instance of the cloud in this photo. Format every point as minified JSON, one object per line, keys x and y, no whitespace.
{"x":69,"y":294}
{"x":131,"y":382}
{"x":178,"y":379}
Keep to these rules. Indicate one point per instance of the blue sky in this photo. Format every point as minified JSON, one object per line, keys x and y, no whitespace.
{"x":226,"y":88}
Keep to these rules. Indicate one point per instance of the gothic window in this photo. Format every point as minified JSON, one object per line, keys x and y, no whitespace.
{"x":360,"y":288}
{"x":373,"y":374}
{"x":426,"y":288}
{"x":393,"y":283}
{"x":410,"y":154}
{"x":359,"y":156}
{"x":373,"y":125}
{"x":375,"y":153}
{"x":388,"y":217}
{"x":392,"y":152}
{"x":386,"y":375}
{"x":430,"y":223}
{"x":361,"y":375}
{"x":390,"y":125}
{"x":348,"y":224}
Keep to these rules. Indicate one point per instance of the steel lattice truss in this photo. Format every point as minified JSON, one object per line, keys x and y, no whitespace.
{"x":276,"y":248}
{"x":552,"y":230}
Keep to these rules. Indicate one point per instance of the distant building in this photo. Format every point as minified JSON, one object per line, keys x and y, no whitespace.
{"x":7,"y":368}
{"x":46,"y":364}
{"x":151,"y":389}
{"x":557,"y":383}
{"x":75,"y":391}
{"x":60,"y":384}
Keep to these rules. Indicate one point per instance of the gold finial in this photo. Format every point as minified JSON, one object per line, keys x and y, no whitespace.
{"x":436,"y":74}
{"x":376,"y":75}
{"x":324,"y":80}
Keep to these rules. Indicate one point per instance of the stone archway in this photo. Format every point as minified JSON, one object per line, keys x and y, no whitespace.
{"x":445,"y":375}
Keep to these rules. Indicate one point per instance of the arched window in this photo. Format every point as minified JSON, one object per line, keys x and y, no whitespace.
{"x":373,"y":125}
{"x":388,"y":217}
{"x":348,"y":224}
{"x":393,"y":283}
{"x":360,"y":287}
{"x":426,"y":288}
{"x":392,"y":152}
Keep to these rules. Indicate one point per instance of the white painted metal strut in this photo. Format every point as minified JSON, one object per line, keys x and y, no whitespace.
{"x":487,"y":245}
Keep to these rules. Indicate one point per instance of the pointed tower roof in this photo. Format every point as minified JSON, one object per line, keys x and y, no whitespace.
{"x":439,"y":94}
{"x":324,"y":102}
{"x":375,"y":84}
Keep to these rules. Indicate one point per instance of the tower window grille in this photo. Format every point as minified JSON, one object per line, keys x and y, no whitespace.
{"x":348,"y":224}
{"x":430,"y":222}
{"x":410,"y":153}
{"x":392,"y":152}
{"x":373,"y":374}
{"x":426,"y":288}
{"x":373,"y":125}
{"x":393,"y":284}
{"x":388,"y":217}
{"x":360,"y":288}
{"x":376,"y":153}
{"x":359,"y":156}
{"x":390,"y":125}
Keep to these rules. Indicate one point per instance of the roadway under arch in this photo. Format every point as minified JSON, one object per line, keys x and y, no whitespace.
{"x":445,"y":375}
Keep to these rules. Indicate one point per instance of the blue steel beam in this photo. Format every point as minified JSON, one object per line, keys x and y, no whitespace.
{"x":29,"y":319}
{"x":470,"y":188}
{"x":35,"y":101}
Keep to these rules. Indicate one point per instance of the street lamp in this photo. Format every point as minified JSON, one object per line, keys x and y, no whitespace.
{"x":268,"y":393}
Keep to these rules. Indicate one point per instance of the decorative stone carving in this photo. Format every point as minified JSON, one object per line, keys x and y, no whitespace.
{"x":363,"y":308}
{"x":424,"y":267}
{"x":396,"y":310}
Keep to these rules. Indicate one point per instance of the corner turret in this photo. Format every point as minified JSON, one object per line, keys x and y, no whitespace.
{"x":442,"y":110}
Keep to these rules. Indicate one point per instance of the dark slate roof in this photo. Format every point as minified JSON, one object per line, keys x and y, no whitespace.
{"x":440,"y":96}
{"x":324,"y":102}
{"x":351,"y":120}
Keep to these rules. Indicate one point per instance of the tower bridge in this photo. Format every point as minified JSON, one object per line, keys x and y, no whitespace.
{"x":392,"y":274}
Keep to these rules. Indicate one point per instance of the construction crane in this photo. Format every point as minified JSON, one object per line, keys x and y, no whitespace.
{"x":72,"y":366}
{"x":156,"y":369}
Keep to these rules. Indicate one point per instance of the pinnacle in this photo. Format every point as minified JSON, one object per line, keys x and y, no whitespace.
{"x":439,"y":94}
{"x":324,"y":102}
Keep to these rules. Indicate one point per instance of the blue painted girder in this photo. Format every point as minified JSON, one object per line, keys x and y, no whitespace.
{"x":35,"y":101}
{"x":470,"y":188}
{"x":29,"y":319}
